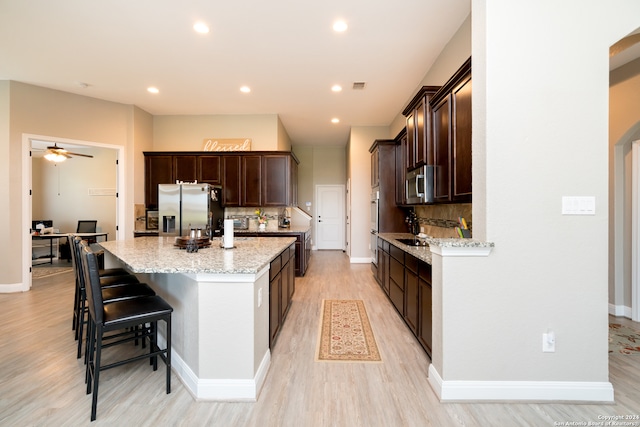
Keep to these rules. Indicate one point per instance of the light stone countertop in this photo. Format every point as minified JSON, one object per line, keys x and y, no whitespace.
{"x":292,"y":229}
{"x":424,"y":252}
{"x":159,"y":255}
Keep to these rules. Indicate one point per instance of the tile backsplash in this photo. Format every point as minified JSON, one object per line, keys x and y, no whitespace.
{"x":440,"y":220}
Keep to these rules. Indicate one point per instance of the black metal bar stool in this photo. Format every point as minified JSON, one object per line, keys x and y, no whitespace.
{"x":107,"y":318}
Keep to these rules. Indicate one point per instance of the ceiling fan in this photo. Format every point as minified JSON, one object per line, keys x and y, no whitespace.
{"x":58,"y":154}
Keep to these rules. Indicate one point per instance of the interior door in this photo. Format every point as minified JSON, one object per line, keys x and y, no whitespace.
{"x":330,"y":218}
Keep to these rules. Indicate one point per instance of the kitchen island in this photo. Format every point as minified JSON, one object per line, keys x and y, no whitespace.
{"x":220,"y":297}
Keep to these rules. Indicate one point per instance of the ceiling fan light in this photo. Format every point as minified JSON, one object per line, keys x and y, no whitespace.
{"x":55,"y":157}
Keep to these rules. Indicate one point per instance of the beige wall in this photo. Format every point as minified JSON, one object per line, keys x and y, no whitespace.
{"x":188,"y":133}
{"x":7,"y":227}
{"x":45,"y":112}
{"x":57,"y":186}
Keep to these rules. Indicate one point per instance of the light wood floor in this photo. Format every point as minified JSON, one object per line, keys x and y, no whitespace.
{"x":42,"y":383}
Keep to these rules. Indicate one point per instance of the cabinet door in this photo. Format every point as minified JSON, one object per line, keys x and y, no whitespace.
{"x":441,"y":146}
{"x":231,"y":180}
{"x":209,"y":169}
{"x":157,"y":170}
{"x":276,"y":180}
{"x":411,"y":300}
{"x":293,"y":197}
{"x":284,"y":290}
{"x":275,"y":287}
{"x":292,"y":273}
{"x":420,"y":134}
{"x":396,"y":284}
{"x":410,"y":153}
{"x":252,"y":181}
{"x":426,"y":321}
{"x":375,"y":173}
{"x":401,"y":171}
{"x":184,"y":168}
{"x":461,"y":142}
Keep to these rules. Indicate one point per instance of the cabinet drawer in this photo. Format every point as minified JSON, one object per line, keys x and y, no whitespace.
{"x":397,"y":253}
{"x":397,"y":296}
{"x":396,"y":270}
{"x":275,"y":267}
{"x":411,"y":263}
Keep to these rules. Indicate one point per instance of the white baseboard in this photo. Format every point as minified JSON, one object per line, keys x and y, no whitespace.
{"x":7,"y":288}
{"x":366,"y":260}
{"x":222,"y":390}
{"x":536,"y":391}
{"x":620,"y":311}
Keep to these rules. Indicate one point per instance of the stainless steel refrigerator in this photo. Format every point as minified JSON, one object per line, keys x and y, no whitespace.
{"x":185,"y":206}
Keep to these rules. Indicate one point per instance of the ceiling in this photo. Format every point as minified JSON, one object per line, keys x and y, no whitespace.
{"x":286,"y":51}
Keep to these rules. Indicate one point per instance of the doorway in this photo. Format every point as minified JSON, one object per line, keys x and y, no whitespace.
{"x":114,"y":189}
{"x":330,"y":217}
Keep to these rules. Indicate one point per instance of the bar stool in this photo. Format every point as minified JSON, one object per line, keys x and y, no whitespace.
{"x":106,"y":318}
{"x":114,"y":289}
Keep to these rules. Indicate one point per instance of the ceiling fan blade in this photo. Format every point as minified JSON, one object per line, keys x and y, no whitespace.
{"x":77,"y":154}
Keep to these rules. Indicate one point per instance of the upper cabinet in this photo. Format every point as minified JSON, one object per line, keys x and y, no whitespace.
{"x":254,"y":178}
{"x":438,"y":133}
{"x":419,"y":147}
{"x":451,"y":107}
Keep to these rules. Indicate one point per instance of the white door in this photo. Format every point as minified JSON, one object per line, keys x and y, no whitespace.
{"x":329,"y":219}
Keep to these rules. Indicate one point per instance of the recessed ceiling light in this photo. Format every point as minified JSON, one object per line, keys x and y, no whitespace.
{"x":336,"y":88}
{"x":245,"y":89}
{"x":153,"y":89}
{"x":340,"y":26}
{"x":335,"y":120}
{"x":201,"y":28}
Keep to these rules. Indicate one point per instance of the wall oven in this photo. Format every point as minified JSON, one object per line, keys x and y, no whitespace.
{"x":419,"y":185}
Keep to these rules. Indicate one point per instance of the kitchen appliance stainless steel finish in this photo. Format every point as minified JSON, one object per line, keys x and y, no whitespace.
{"x":185,"y":206}
{"x":375,"y":206}
{"x":240,"y":222}
{"x":419,"y":185}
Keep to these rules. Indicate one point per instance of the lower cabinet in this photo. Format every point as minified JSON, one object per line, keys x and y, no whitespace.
{"x":302,"y":245}
{"x":281,"y":290}
{"x":407,"y":282}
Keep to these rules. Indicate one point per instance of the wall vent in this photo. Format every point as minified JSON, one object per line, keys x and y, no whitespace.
{"x":358,"y":85}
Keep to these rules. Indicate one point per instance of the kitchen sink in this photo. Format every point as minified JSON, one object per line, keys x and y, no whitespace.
{"x":411,"y":242}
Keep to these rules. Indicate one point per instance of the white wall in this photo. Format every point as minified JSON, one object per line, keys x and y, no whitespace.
{"x":359,"y":171}
{"x":540,"y":132}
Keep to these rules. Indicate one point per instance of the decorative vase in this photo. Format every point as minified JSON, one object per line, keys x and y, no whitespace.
{"x":262,"y":226}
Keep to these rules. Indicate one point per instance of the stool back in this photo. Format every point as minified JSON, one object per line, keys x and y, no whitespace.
{"x":92,"y":283}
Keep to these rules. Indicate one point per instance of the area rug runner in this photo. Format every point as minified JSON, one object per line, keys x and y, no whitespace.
{"x":345,"y":333}
{"x":40,"y":272}
{"x":623,"y":339}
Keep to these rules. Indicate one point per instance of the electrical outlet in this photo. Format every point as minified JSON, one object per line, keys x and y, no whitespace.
{"x":549,"y":342}
{"x":259,"y":297}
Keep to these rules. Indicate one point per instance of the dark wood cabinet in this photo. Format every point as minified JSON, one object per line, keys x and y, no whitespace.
{"x":419,"y":147}
{"x":451,"y":107}
{"x":425,"y":303}
{"x":281,"y":290}
{"x":251,"y":181}
{"x":375,"y":172}
{"x":232,"y":180}
{"x":301,"y":248}
{"x":411,"y":292}
{"x":258,"y":178}
{"x":407,"y":282}
{"x":185,"y":168}
{"x":158,"y":170}
{"x":390,"y":215}
{"x":209,"y":169}
{"x":276,"y":181}
{"x":401,"y":169}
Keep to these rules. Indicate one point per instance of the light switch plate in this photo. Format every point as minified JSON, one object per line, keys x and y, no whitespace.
{"x":572,"y":205}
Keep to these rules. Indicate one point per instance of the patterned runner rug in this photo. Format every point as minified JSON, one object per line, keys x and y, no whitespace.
{"x":623,"y":339}
{"x":345,"y":333}
{"x":40,"y":272}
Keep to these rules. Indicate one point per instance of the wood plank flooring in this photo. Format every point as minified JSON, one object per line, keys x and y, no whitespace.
{"x":42,"y":383}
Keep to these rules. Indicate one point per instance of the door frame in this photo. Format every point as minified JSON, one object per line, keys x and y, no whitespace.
{"x":342,"y":212}
{"x":27,"y":202}
{"x":635,"y":230}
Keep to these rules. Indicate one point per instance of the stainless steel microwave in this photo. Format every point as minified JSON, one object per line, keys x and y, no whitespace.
{"x":419,"y":185}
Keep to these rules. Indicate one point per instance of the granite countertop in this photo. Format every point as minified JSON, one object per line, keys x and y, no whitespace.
{"x":159,"y":255}
{"x":292,"y":229}
{"x":424,"y":252}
